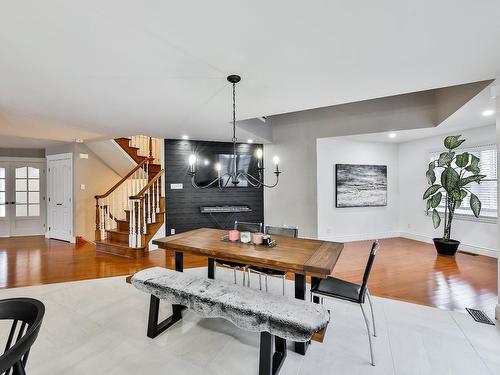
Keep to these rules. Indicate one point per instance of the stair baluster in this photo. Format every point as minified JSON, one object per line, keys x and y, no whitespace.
{"x":131,"y":227}
{"x":144,"y":215}
{"x":158,"y":195}
{"x":103,"y":233}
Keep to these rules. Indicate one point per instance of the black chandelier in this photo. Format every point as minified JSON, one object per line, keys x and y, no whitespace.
{"x":223,"y":179}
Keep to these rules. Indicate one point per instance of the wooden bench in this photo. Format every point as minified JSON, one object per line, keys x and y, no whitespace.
{"x":275,"y":317}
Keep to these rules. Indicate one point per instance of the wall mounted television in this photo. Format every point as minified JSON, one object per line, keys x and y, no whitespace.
{"x":206,"y":172}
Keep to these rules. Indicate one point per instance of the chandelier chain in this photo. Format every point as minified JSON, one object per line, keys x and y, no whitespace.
{"x":234,"y":112}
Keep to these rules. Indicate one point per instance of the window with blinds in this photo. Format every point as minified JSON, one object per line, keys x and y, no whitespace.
{"x":486,"y":191}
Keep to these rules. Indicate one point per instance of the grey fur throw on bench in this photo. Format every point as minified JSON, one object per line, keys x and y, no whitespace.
{"x":248,"y":309}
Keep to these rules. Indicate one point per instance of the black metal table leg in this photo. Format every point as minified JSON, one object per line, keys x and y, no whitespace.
{"x":211,"y":268}
{"x":155,"y":328}
{"x":271,"y":359}
{"x":179,"y":261}
{"x":300,"y":293}
{"x":314,"y":281}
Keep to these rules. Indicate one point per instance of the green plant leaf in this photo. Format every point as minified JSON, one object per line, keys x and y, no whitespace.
{"x":428,"y":205}
{"x":475,"y":205}
{"x":474,"y":178}
{"x":432,"y":165}
{"x":474,"y":165}
{"x":431,"y":190}
{"x":436,"y":219}
{"x":462,"y":160}
{"x":463,"y":194}
{"x":431,"y":176}
{"x":456,"y":195}
{"x":445,"y":158}
{"x":436,"y":199}
{"x":453,"y":141}
{"x":450,"y":179}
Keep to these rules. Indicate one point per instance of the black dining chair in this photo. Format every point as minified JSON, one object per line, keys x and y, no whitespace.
{"x":242,"y":226}
{"x":26,"y":315}
{"x":344,"y":290}
{"x":261,"y":271}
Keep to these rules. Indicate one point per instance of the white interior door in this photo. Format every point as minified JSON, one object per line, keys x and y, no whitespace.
{"x":22,"y":195}
{"x":4,"y":203}
{"x":60,"y":196}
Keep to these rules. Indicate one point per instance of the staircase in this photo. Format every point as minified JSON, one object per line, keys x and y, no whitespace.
{"x":130,"y":213}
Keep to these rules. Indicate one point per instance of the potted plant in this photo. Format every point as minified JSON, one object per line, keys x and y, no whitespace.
{"x":457,"y":172}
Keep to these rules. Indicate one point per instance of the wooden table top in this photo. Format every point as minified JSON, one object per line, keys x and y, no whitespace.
{"x":299,"y":255}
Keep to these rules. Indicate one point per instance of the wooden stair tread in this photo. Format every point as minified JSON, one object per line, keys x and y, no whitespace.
{"x":126,"y":232}
{"x":118,"y":244}
{"x":117,"y":231}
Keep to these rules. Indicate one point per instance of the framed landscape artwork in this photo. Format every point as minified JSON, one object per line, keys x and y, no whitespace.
{"x":360,"y":185}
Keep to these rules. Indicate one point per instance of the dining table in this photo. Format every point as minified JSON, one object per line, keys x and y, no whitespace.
{"x":301,"y":256}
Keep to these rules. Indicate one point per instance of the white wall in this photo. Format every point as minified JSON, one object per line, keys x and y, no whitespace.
{"x":349,"y":224}
{"x":474,"y":236}
{"x":497,"y":310}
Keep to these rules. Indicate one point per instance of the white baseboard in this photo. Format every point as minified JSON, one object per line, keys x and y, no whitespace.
{"x":464,"y":247}
{"x":361,"y":237}
{"x":497,"y":312}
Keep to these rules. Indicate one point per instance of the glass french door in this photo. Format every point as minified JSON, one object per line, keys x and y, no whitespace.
{"x":4,"y":222}
{"x":22,"y":198}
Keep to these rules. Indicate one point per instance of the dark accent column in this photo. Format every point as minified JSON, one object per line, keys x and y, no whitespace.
{"x":211,"y":268}
{"x":300,"y":293}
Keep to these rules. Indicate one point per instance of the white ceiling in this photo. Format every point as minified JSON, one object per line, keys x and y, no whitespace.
{"x":467,"y":117}
{"x":98,"y":69}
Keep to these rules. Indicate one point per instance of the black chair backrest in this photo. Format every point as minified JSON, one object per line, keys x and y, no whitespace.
{"x":282,"y":231}
{"x":244,"y":226}
{"x":27,"y":315}
{"x":368,"y":269}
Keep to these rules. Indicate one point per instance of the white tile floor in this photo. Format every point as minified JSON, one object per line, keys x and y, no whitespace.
{"x":98,"y":327}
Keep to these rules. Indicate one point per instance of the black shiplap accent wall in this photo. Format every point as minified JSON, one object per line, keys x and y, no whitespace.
{"x":183,"y":206}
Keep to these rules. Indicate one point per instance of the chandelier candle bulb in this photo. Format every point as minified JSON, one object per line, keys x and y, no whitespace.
{"x":192,"y":163}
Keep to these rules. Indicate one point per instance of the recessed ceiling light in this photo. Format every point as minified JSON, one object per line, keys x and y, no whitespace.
{"x":250,"y":141}
{"x":488,"y":112}
{"x":185,"y":137}
{"x":392,"y":135}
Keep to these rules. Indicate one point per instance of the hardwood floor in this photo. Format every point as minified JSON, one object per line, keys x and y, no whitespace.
{"x":404,"y":269}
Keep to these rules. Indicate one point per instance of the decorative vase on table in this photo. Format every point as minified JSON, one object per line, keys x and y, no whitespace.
{"x":457,"y":171}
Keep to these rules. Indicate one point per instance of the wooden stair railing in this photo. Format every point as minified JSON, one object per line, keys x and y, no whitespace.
{"x":145,"y":205}
{"x":112,"y":205}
